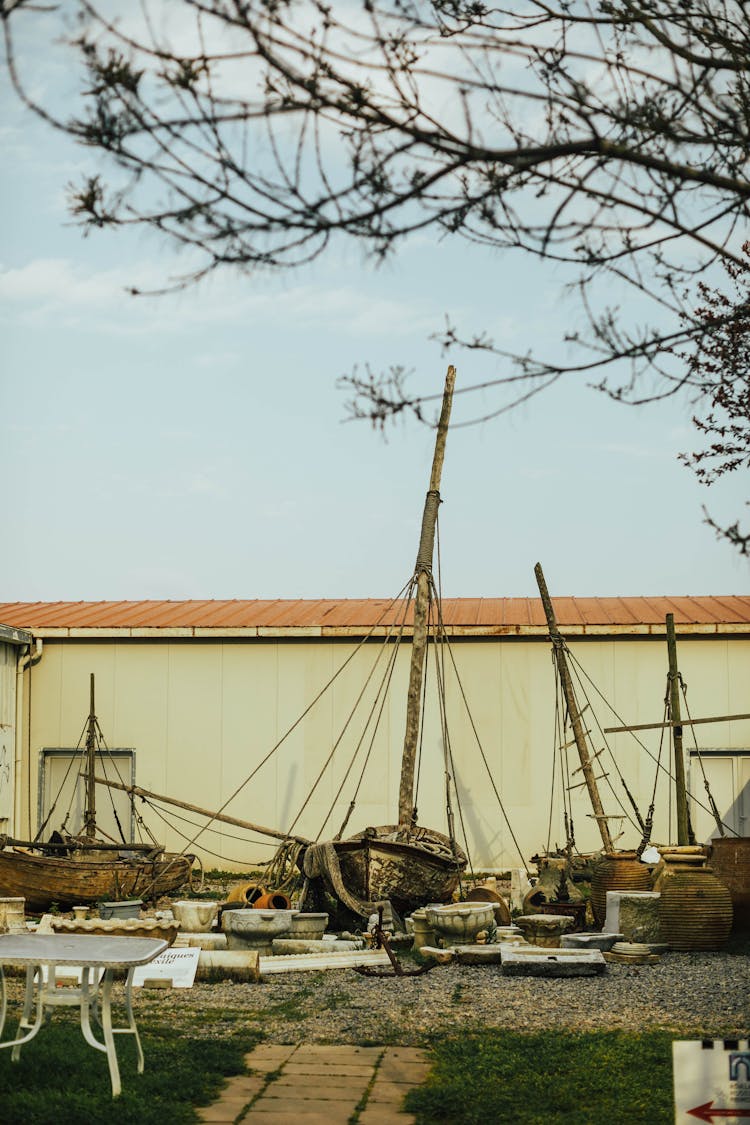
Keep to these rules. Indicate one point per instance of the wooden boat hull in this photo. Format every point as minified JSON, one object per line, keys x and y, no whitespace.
{"x":42,"y":880}
{"x":376,"y":865}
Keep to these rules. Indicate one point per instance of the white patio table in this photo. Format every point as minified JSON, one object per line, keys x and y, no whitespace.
{"x":97,"y":956}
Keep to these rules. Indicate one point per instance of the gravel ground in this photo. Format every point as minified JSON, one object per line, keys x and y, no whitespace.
{"x":705,"y":994}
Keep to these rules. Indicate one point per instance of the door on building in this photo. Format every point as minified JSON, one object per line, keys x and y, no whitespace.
{"x":728,"y":776}
{"x":62,"y":792}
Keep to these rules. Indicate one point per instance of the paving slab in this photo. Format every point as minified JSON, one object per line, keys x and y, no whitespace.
{"x":398,"y":1070}
{"x":406,"y":1054}
{"x":335,"y":1051}
{"x":385,"y":1115}
{"x":335,"y":1090}
{"x":311,"y":1117}
{"x":227,"y":1109}
{"x":295,"y":1108}
{"x":391,"y":1092}
{"x":320,"y":1069}
{"x":519,"y":962}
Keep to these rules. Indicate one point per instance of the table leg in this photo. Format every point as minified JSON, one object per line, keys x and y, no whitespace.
{"x":28,"y":1003}
{"x":131,"y":1018}
{"x":109,"y":1039}
{"x":3,"y":1001}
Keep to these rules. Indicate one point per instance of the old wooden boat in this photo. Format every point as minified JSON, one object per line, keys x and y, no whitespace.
{"x":68,"y":870}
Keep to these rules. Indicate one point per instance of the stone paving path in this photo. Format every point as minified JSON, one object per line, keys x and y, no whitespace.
{"x":320,"y":1085}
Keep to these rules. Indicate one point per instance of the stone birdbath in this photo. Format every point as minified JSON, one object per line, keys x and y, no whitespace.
{"x":458,"y":923}
{"x":255,"y":929}
{"x":544,"y":930}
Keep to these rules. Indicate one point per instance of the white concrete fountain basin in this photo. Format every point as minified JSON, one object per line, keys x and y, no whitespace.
{"x":460,"y":922}
{"x":255,"y":929}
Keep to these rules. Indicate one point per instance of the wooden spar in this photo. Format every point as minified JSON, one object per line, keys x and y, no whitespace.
{"x":135,"y":791}
{"x":89,"y":814}
{"x":423,"y":572}
{"x":573,"y":710}
{"x":677,"y":723}
{"x":683,"y":826}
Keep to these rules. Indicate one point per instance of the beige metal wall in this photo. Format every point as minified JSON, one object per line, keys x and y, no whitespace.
{"x":8,"y":658}
{"x":203,"y":715}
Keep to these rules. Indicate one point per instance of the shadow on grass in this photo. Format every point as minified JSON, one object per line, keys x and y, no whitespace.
{"x":549,"y":1077}
{"x":60,"y":1079}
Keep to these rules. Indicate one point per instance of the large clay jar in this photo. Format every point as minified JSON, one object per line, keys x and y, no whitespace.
{"x":730,"y":862}
{"x":618,"y":871}
{"x":695,"y":908}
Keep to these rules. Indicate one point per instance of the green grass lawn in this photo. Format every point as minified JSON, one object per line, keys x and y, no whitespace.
{"x":60,"y":1079}
{"x":615,"y":1077}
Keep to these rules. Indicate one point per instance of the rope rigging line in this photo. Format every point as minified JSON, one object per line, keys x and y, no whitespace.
{"x":342,"y":732}
{"x":439,"y":642}
{"x":300,"y":717}
{"x":659,"y":765}
{"x":217,"y":855}
{"x":384,"y":698}
{"x":449,"y":649}
{"x":649,"y":822}
{"x":60,"y":788}
{"x":372,"y":721}
{"x":720,"y":824}
{"x":638,"y":823}
{"x":449,"y":763}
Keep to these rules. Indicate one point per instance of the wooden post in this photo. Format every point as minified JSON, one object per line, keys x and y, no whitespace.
{"x":683,"y":826}
{"x":89,"y":813}
{"x":573,"y":710}
{"x":423,"y":572}
{"x":137,"y":791}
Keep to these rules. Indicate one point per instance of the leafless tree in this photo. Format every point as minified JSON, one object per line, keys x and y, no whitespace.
{"x":612,"y":136}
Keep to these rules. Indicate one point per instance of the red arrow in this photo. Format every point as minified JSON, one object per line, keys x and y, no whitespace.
{"x":705,"y":1112}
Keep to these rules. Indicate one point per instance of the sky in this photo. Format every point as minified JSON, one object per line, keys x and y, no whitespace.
{"x":197,"y":445}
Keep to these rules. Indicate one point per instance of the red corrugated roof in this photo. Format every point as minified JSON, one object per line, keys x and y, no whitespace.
{"x":478,"y":613}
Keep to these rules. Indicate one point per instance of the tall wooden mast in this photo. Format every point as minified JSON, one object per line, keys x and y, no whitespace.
{"x":573,"y":711}
{"x":683,"y":823}
{"x":423,"y":574}
{"x":89,"y":813}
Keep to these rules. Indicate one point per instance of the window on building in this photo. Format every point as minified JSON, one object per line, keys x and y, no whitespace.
{"x":728,"y":776}
{"x":62,"y":791}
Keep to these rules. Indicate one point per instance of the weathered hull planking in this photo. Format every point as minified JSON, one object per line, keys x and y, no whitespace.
{"x":43,"y":880}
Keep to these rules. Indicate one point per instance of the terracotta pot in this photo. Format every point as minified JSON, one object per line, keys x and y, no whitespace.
{"x":695,"y":909}
{"x":274,"y":900}
{"x":245,"y":893}
{"x":730,"y":862}
{"x":618,"y":871}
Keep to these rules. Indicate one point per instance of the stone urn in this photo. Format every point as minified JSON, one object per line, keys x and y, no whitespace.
{"x":255,"y":929}
{"x":421,"y":929}
{"x":195,"y":916}
{"x":616,"y":871}
{"x":695,"y":908}
{"x":458,"y":923}
{"x":308,"y":927}
{"x":545,"y":930}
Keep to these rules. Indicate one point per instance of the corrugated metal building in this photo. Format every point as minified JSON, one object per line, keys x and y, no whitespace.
{"x":194,"y":695}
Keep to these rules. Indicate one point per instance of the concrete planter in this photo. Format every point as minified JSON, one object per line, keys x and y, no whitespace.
{"x":458,"y":923}
{"x":255,"y":929}
{"x":195,"y":915}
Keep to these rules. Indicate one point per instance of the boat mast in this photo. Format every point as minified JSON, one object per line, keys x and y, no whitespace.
{"x":89,"y":812}
{"x":683,"y":823}
{"x":574,"y":711}
{"x":423,"y":575}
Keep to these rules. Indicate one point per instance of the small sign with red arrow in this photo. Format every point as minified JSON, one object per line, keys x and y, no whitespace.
{"x":712,"y":1081}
